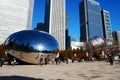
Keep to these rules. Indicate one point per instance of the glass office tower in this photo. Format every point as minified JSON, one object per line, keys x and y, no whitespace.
{"x":55,"y":20}
{"x":15,"y":15}
{"x":116,"y":37}
{"x":90,"y":20}
{"x":107,"y":29}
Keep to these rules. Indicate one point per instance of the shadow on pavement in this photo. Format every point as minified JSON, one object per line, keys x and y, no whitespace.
{"x":18,"y":78}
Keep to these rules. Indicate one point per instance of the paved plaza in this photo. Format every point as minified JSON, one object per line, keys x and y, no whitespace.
{"x":73,"y":71}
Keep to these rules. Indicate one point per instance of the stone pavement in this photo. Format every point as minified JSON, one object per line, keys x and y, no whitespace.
{"x":73,"y":71}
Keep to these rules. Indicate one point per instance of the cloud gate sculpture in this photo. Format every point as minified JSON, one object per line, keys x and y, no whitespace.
{"x":30,"y":46}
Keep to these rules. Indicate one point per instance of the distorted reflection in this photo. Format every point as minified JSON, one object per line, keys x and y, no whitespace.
{"x":29,"y":45}
{"x":31,"y":42}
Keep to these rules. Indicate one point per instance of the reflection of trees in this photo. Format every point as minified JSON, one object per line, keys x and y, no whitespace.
{"x":13,"y":44}
{"x":48,"y":51}
{"x":25,"y":47}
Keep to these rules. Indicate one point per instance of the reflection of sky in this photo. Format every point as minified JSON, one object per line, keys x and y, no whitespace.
{"x":34,"y":39}
{"x":40,"y":47}
{"x":48,"y":47}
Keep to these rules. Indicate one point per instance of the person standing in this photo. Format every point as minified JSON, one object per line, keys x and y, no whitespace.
{"x":56,"y":61}
{"x":13,"y":62}
{"x":111,"y":60}
{"x":53,"y":60}
{"x":45,"y":61}
{"x":66,"y":59}
{"x":72,"y":59}
{"x":1,"y":63}
{"x":41,"y":61}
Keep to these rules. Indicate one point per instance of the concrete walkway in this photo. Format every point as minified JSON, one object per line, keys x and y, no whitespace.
{"x":72,"y":71}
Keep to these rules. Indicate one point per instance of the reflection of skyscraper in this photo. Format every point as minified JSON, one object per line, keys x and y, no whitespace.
{"x":55,"y":20}
{"x":90,"y":20}
{"x":15,"y":15}
{"x":107,"y":29}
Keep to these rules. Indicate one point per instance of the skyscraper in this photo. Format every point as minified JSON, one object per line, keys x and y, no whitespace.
{"x":90,"y":20}
{"x":47,"y":15}
{"x":107,"y":29}
{"x":55,"y":20}
{"x":68,"y":42}
{"x":116,"y":37}
{"x":15,"y":15}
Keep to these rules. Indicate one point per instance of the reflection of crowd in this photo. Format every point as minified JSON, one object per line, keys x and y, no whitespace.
{"x":13,"y":62}
{"x":2,"y":61}
{"x":44,"y":60}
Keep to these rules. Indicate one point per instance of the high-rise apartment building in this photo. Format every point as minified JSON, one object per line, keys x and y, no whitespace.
{"x":116,"y":37}
{"x":106,"y":22}
{"x":15,"y":15}
{"x":90,"y":20}
{"x":55,"y":20}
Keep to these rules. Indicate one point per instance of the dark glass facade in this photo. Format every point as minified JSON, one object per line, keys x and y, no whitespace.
{"x":90,"y":20}
{"x":68,"y":40}
{"x":116,"y":37}
{"x":47,"y":15}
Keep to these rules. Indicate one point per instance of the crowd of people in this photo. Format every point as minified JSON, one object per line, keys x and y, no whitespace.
{"x":66,"y":60}
{"x":57,"y":61}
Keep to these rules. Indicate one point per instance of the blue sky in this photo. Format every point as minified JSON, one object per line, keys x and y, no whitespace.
{"x":72,"y":8}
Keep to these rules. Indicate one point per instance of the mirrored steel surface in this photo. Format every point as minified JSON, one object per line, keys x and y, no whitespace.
{"x":29,"y":45}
